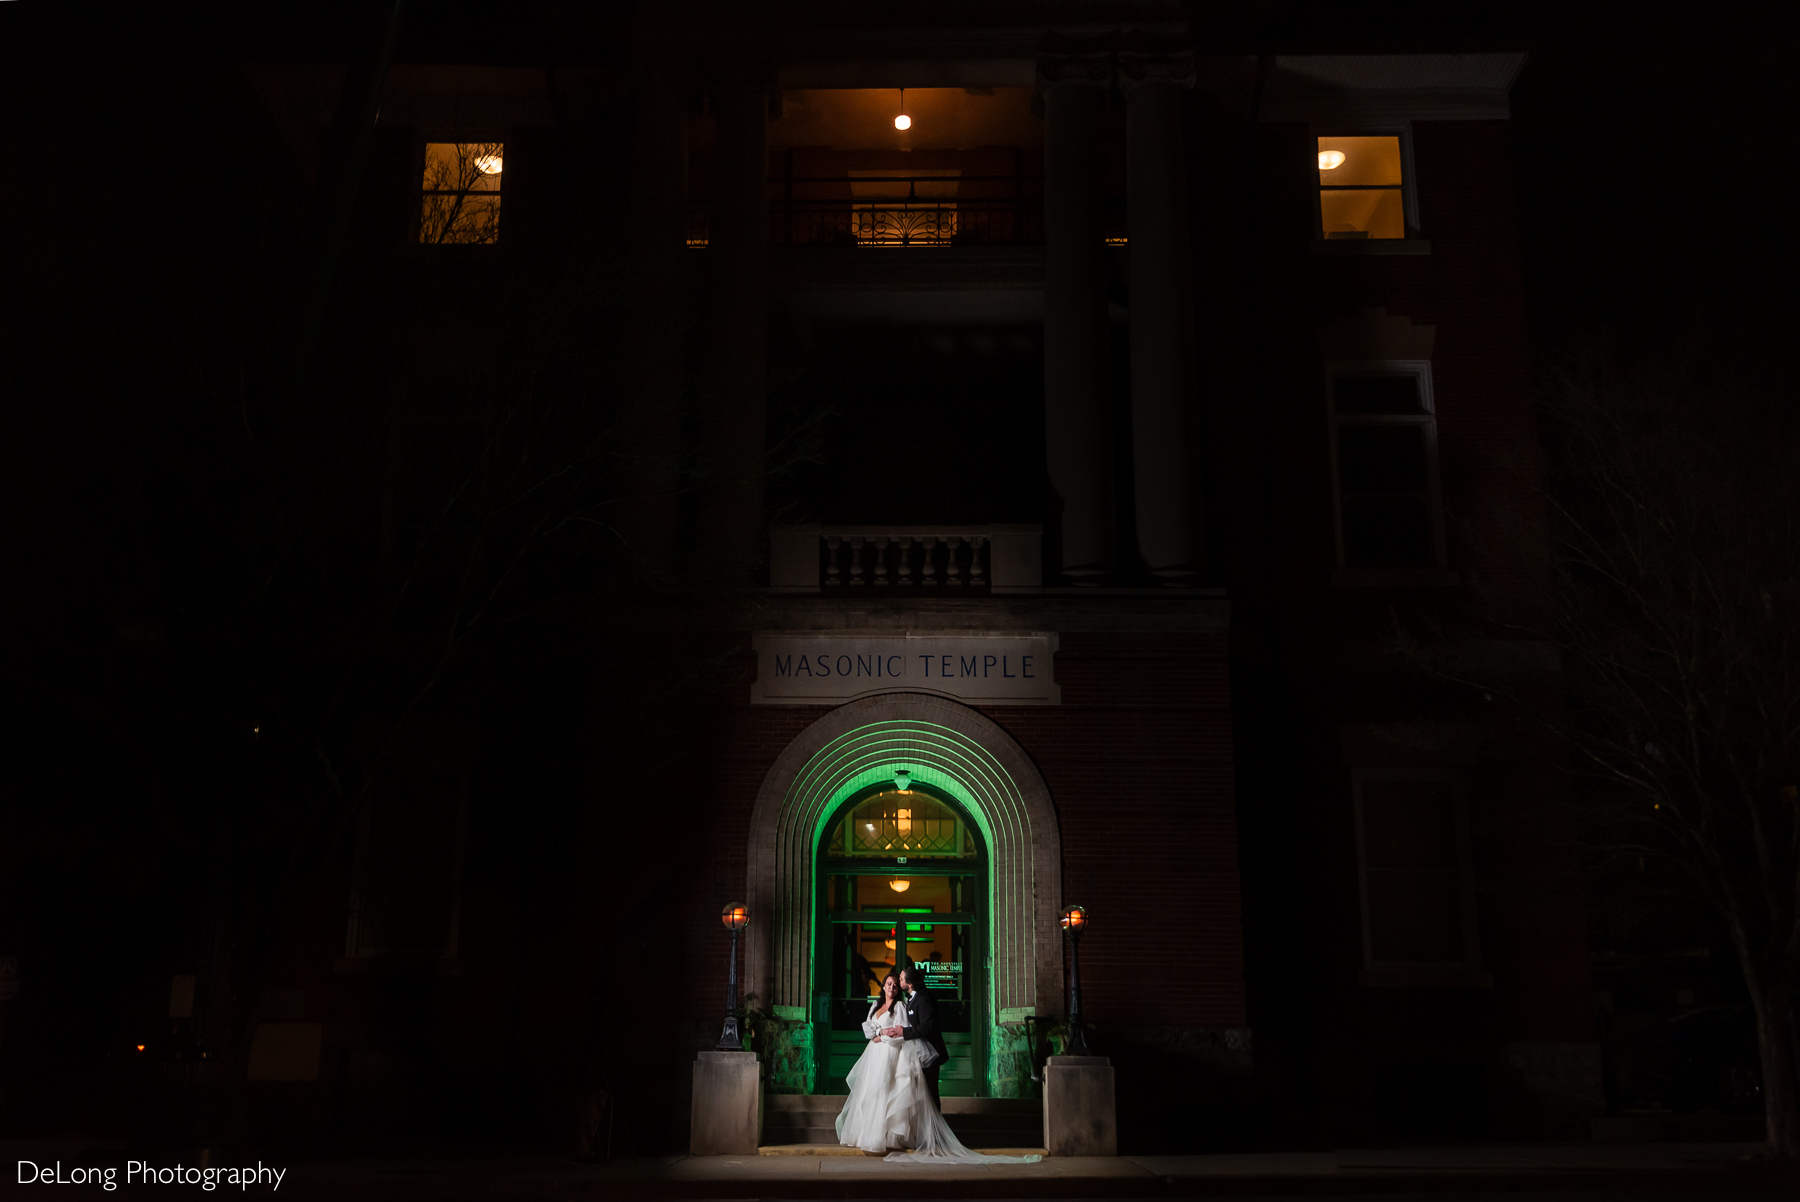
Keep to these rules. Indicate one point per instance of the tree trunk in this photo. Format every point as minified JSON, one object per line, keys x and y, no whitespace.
{"x":1781,"y":1098}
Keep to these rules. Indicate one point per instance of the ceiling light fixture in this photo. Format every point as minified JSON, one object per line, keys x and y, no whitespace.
{"x":1330,"y":160}
{"x":902,"y":122}
{"x":900,"y":885}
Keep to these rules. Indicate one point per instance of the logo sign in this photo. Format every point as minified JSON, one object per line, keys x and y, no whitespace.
{"x":945,"y":975}
{"x":995,"y":669}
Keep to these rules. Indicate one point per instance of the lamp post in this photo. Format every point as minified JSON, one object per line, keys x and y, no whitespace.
{"x":1074,"y":921}
{"x":736,"y":917}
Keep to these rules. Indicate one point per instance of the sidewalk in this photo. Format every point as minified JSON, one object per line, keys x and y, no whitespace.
{"x":1696,"y":1170}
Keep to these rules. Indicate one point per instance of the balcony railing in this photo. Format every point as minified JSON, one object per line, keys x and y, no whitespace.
{"x":906,"y":210}
{"x":997,"y":559}
{"x":889,"y":223}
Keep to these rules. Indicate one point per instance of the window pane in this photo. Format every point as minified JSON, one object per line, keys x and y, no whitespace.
{"x":1377,"y":394}
{"x":1362,"y":213}
{"x":903,"y":824}
{"x":1381,"y":459}
{"x":1409,"y":825}
{"x":1415,"y":916}
{"x":1387,"y":532}
{"x":1366,"y":162}
{"x":461,"y":192}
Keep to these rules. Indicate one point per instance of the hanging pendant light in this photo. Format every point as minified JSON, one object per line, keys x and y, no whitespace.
{"x":902,"y":122}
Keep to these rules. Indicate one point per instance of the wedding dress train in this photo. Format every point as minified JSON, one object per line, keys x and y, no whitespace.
{"x":890,"y":1106}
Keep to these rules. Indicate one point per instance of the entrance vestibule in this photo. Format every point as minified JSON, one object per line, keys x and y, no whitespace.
{"x":901,"y":879}
{"x":1007,"y":851}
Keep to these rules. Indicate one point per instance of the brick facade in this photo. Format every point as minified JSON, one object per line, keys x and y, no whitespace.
{"x":1199,"y":765}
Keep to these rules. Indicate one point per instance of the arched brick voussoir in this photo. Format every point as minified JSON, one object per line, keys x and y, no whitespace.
{"x":932,"y":733}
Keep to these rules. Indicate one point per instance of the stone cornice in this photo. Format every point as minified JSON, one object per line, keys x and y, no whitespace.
{"x":1142,"y":70}
{"x":1390,"y":89}
{"x":1088,"y":70}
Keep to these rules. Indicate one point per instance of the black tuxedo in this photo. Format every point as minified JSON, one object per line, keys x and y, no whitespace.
{"x":922,"y":1017}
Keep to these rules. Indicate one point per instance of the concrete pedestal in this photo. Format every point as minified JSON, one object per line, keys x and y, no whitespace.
{"x":1080,"y":1118}
{"x":727,"y":1116}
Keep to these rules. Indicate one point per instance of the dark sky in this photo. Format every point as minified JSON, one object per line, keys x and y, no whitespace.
{"x":1657,"y":171}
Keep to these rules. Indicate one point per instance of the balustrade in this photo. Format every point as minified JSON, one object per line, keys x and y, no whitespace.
{"x":892,"y":559}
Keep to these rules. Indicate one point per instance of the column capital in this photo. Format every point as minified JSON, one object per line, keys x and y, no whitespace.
{"x":1091,"y":70}
{"x":1142,"y":70}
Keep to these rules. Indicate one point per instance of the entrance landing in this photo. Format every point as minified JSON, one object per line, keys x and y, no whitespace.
{"x":824,"y":1150}
{"x":1009,"y":1126}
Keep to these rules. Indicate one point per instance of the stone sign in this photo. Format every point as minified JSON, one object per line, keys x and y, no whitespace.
{"x":828,"y":669}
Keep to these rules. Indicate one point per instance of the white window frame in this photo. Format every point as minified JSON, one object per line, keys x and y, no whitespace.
{"x":1409,"y":193}
{"x":1421,"y":368}
{"x":1465,"y":973}
{"x":423,"y":137}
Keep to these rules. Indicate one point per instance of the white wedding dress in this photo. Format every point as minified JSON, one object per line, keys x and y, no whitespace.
{"x":890,"y":1107}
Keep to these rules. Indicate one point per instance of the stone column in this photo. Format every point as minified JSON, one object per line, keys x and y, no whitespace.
{"x":1077,"y":432}
{"x":655,"y":245}
{"x":734,"y":402}
{"x":1162,"y":376}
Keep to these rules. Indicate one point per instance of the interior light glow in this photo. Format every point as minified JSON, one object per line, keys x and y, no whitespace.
{"x":902,"y":122}
{"x":140,"y":1047}
{"x":903,"y":820}
{"x":1330,"y":160}
{"x":490,"y":163}
{"x":900,"y":885}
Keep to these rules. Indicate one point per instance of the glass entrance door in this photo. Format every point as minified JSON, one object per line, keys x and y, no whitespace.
{"x":901,"y":881}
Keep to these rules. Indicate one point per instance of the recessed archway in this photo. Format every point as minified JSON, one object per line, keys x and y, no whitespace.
{"x":945,"y":745}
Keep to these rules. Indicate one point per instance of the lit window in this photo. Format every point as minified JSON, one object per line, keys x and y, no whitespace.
{"x":1361,"y":192}
{"x":1384,"y":448}
{"x":461,"y":193}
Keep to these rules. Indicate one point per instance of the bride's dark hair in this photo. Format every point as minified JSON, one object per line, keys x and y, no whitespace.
{"x":886,"y":1001}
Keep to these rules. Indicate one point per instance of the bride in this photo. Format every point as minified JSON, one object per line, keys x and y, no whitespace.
{"x":889,"y":1106}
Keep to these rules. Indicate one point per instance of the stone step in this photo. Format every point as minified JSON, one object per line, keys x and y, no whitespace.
{"x":802,"y":1103}
{"x":799,"y":1135}
{"x":794,"y":1103}
{"x":810,"y":1119}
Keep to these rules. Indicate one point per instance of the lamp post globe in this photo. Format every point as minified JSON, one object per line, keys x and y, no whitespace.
{"x":1074,"y":920}
{"x":735,"y":917}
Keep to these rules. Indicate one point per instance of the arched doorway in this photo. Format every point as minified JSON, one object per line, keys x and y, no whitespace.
{"x":954,"y":754}
{"x":901,"y":880}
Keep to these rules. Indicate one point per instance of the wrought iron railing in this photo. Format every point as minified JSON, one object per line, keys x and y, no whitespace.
{"x":906,"y":210}
{"x":908,"y":221}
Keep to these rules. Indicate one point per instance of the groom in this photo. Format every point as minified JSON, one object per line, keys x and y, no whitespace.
{"x":921,"y":1014}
